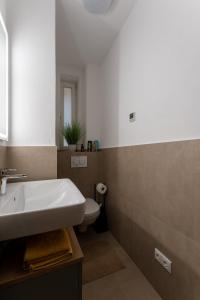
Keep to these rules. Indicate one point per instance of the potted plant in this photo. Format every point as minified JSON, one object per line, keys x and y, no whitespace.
{"x":72,"y":134}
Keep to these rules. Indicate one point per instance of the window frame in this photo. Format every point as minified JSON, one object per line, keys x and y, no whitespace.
{"x":4,"y":137}
{"x":73,"y":87}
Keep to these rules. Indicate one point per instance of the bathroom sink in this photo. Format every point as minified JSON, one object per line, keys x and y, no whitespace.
{"x":34,"y":207}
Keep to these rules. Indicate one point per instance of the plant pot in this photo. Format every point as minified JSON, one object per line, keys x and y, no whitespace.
{"x":72,"y":147}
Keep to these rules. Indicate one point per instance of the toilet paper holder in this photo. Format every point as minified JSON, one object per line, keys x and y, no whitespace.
{"x":101,"y":224}
{"x":101,"y":190}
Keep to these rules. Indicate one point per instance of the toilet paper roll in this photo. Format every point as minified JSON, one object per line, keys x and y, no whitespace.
{"x":101,"y":188}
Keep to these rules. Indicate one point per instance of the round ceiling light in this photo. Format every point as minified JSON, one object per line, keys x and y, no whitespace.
{"x":97,"y":6}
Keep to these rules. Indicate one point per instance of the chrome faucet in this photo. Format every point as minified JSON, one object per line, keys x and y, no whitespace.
{"x":7,"y":174}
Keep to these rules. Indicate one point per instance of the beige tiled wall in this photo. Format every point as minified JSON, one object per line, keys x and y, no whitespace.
{"x":84,"y":178}
{"x":154,"y":201}
{"x":37,"y":162}
{"x":2,"y":156}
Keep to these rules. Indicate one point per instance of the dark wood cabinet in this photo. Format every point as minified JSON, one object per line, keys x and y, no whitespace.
{"x":61,"y":282}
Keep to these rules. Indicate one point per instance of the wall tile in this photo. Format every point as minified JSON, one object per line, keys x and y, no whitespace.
{"x":3,"y":151}
{"x":84,"y":178}
{"x":38,"y":163}
{"x":154,"y":201}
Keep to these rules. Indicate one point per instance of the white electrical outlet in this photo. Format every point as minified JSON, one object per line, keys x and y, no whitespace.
{"x":163,"y":260}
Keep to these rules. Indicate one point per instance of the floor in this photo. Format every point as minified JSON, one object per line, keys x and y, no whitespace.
{"x":127,"y":283}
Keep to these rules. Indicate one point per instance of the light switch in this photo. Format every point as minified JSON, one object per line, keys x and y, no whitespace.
{"x":79,"y":161}
{"x":132,"y":117}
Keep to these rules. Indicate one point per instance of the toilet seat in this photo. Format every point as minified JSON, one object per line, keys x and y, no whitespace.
{"x":92,"y":209}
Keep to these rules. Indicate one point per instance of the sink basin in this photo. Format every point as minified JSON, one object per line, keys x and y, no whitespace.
{"x":39,"y":206}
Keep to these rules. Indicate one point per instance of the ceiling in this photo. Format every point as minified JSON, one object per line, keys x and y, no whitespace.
{"x":84,"y":38}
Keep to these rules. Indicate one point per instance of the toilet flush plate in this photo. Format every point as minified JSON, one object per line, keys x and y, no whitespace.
{"x":79,"y":161}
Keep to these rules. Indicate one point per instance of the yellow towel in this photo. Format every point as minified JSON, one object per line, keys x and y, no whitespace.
{"x":48,"y":249}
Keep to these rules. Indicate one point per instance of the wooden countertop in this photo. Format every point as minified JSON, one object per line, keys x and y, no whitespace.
{"x":11,"y":270}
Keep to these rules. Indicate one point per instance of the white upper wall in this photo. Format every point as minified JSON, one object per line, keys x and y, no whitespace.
{"x":31,"y":26}
{"x":153,"y":69}
{"x":93,"y":103}
{"x":3,"y":13}
{"x":3,"y":8}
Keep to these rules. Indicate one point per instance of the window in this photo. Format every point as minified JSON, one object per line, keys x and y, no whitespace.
{"x":68,"y":105}
{"x":3,"y":81}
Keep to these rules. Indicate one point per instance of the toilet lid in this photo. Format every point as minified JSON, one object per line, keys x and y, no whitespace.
{"x":91,"y":207}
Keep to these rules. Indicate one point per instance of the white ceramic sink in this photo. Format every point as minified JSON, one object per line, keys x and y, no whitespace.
{"x":34,"y":207}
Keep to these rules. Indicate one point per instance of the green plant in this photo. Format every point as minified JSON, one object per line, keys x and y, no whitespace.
{"x":72,"y":133}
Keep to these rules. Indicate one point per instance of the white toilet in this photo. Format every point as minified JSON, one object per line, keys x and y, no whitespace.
{"x":92,"y":211}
